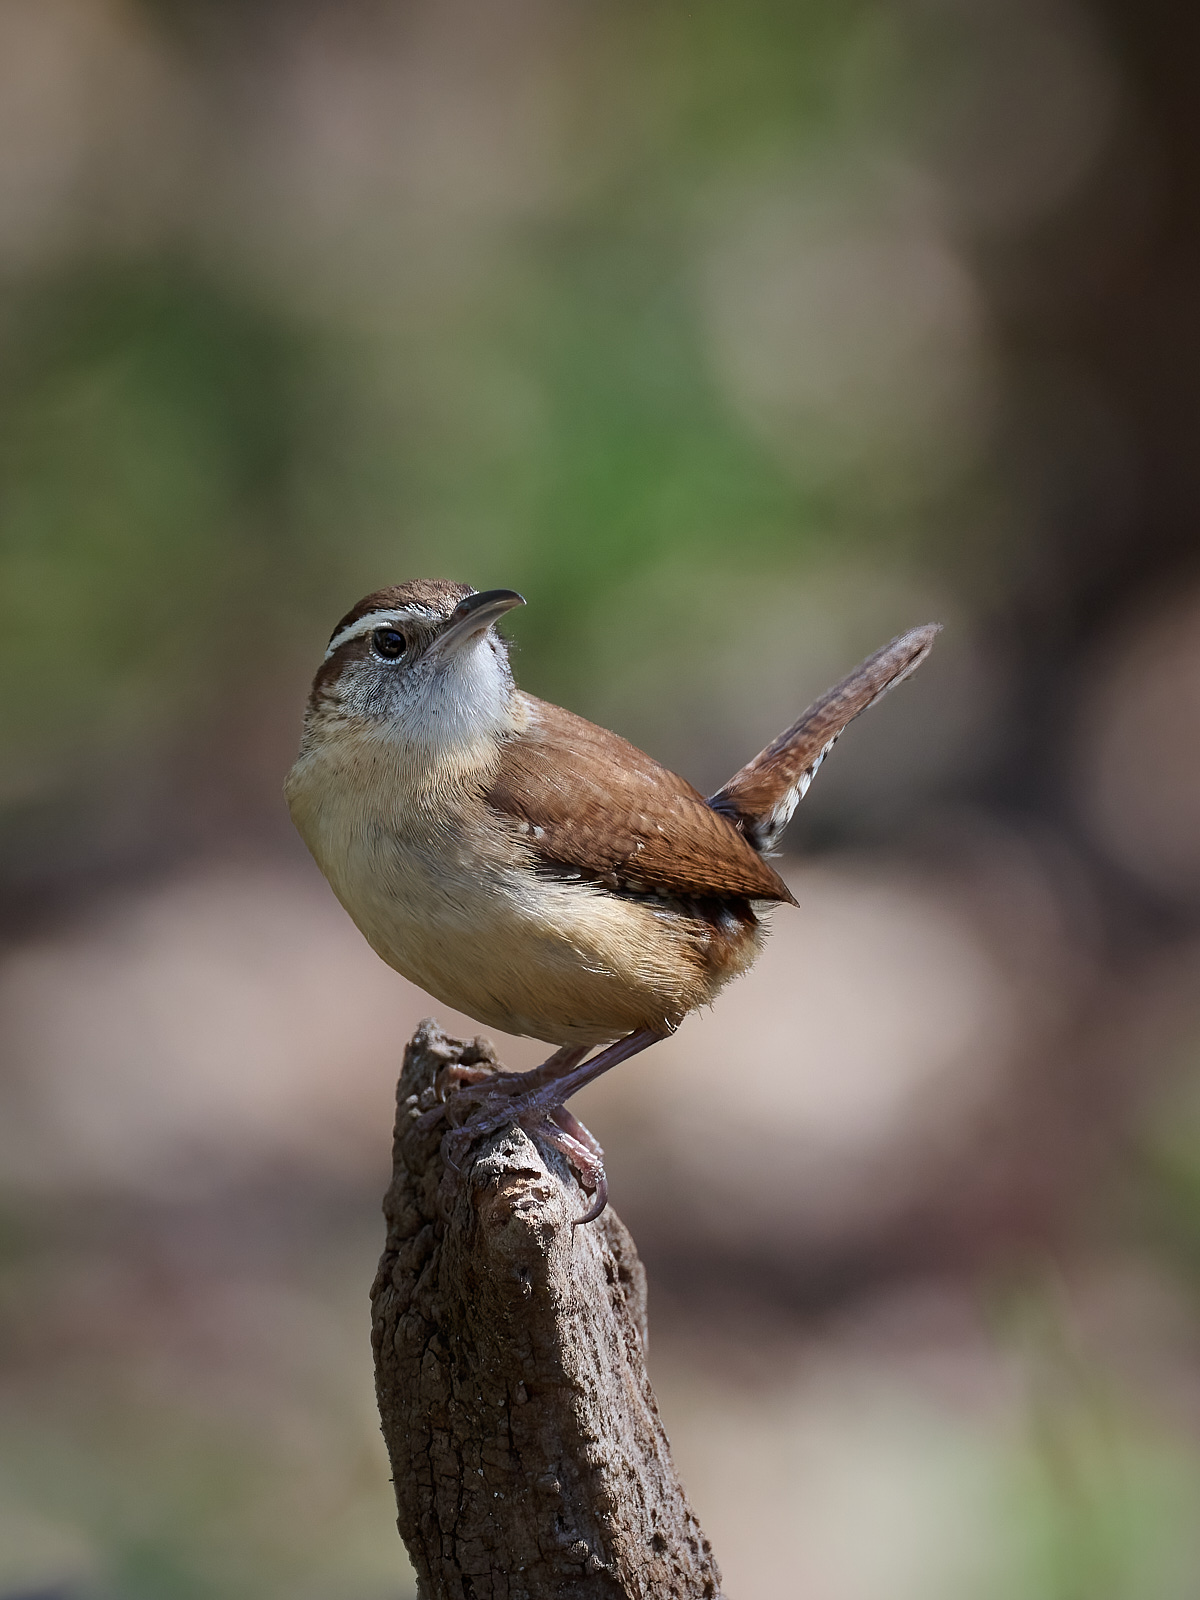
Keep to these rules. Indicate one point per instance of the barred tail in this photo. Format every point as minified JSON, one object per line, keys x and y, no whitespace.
{"x":762,"y":797}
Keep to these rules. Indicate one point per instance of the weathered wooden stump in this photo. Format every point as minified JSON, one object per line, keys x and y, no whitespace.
{"x":527,"y":1452}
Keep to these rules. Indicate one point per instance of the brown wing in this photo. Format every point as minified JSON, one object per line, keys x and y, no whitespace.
{"x":591,"y":801}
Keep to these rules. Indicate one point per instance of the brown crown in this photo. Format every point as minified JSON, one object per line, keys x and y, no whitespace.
{"x":437,"y":593}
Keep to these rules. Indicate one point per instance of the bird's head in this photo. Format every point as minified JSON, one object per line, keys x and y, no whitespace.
{"x":420,"y":663}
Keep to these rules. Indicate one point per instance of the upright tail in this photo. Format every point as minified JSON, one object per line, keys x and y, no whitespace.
{"x":762,"y":797}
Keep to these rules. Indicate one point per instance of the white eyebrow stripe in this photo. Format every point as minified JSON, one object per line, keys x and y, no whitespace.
{"x":381,"y":619}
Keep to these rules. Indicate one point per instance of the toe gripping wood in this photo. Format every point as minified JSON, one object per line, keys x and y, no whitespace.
{"x":527,"y":1452}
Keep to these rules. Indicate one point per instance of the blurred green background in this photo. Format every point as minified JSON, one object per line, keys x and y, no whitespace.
{"x":738,"y":339}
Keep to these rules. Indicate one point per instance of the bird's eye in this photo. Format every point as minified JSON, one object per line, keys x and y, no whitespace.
{"x":389,"y":643}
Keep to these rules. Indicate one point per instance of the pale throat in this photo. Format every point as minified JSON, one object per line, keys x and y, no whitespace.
{"x":462,"y":706}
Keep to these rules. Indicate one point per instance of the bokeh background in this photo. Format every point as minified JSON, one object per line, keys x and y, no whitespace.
{"x":739,"y":338}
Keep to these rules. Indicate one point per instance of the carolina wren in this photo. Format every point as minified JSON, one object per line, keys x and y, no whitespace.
{"x":527,"y":867}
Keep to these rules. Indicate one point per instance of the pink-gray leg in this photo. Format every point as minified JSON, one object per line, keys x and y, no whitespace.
{"x":535,"y":1100}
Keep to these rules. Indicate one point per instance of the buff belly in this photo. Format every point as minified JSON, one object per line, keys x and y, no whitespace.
{"x":463,"y":913}
{"x":577,"y":966}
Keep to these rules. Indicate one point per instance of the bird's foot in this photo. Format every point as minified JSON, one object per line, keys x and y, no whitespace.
{"x":459,"y":1087}
{"x":479,"y":1101}
{"x":477,"y":1108}
{"x":582,"y":1149}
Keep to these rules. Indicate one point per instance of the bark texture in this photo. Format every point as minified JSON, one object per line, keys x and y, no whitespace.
{"x":527,"y":1452}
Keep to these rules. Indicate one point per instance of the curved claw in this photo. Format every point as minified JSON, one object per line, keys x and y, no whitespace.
{"x":599,"y":1201}
{"x":582,"y":1150}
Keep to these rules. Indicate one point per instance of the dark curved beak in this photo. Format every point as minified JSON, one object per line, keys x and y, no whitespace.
{"x":472,"y":616}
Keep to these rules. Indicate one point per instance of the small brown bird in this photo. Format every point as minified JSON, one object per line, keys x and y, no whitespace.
{"x":529,"y":868}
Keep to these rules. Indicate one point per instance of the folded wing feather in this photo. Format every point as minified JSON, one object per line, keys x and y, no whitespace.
{"x":588,"y":800}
